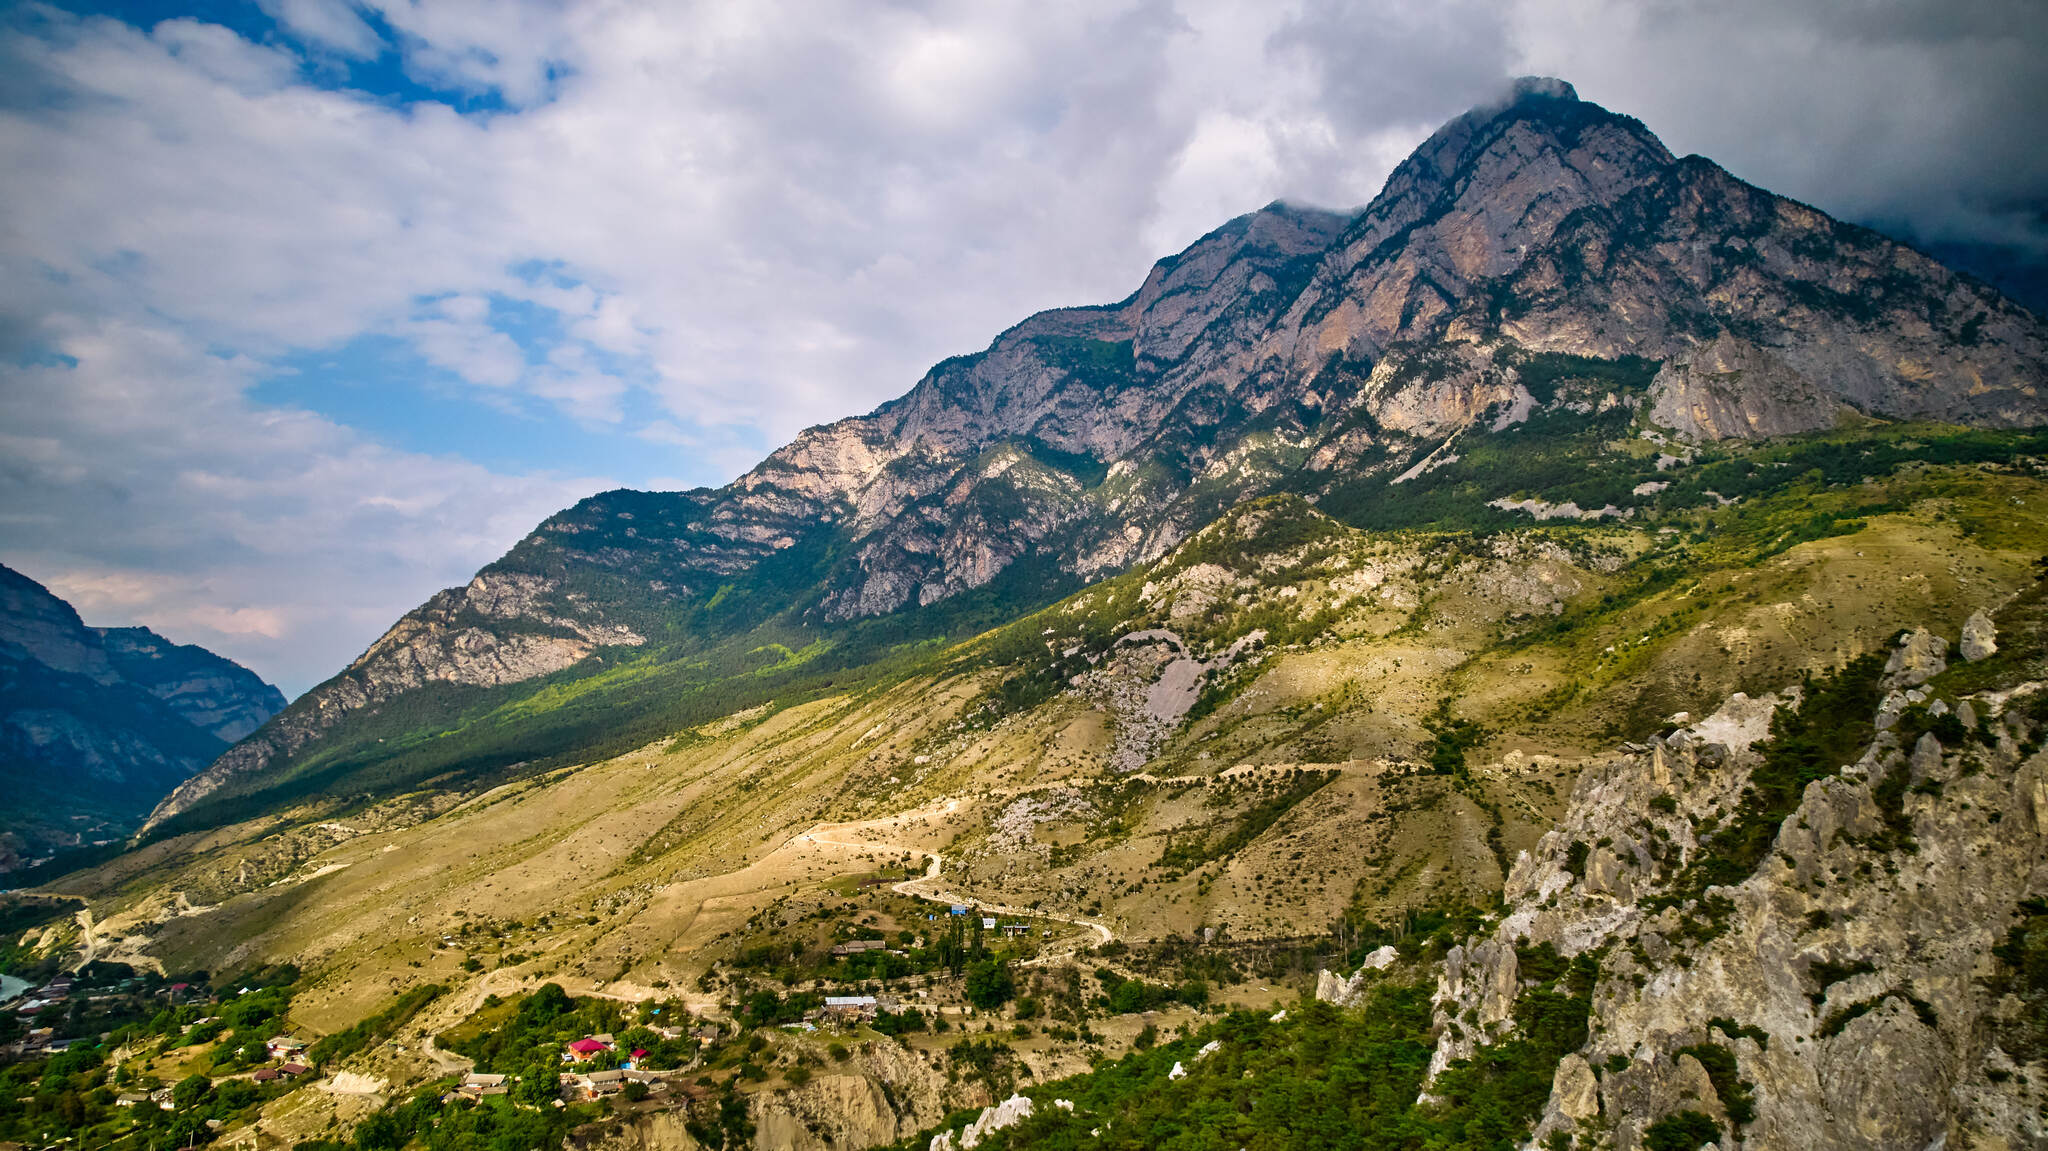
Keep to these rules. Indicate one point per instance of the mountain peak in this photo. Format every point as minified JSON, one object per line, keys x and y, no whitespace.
{"x":1526,"y":88}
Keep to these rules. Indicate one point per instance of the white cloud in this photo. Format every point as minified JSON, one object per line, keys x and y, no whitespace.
{"x":332,"y":24}
{"x":274,"y":537}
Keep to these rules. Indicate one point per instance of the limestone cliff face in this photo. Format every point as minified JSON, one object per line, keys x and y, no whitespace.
{"x":1289,"y":349}
{"x":884,"y":1094}
{"x":1288,"y":336}
{"x":1731,"y":389}
{"x":97,"y":723}
{"x":1854,"y":978}
{"x":213,"y":694}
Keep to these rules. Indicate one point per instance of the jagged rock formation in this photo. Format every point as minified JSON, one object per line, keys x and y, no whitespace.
{"x":1291,"y":348}
{"x":1732,"y":389}
{"x":98,"y":723}
{"x":1858,"y":990}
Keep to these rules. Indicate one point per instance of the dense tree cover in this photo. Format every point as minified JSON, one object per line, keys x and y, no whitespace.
{"x":1681,"y":1131}
{"x":2023,"y":972}
{"x":990,"y":983}
{"x":1122,"y":996}
{"x":74,"y":1093}
{"x":503,"y":1123}
{"x":527,"y":1039}
{"x":1320,"y":1078}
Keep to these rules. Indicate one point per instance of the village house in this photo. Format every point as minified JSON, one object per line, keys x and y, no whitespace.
{"x":293,"y":1070}
{"x":283,"y":1047}
{"x":476,"y":1085}
{"x":585,"y":1049}
{"x":848,"y":1008}
{"x":266,"y":1075}
{"x":857,"y":946}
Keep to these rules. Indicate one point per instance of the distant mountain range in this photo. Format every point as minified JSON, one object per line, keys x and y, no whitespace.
{"x":1542,"y":256}
{"x":98,"y":724}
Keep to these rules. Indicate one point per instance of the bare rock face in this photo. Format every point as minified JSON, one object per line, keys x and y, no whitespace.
{"x":883,"y":1096}
{"x":1920,"y":656}
{"x":1334,"y":988}
{"x":211,"y":693}
{"x":1851,"y":979}
{"x":1732,"y":389}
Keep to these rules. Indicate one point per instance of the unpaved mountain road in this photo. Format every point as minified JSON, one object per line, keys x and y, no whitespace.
{"x":859,"y":836}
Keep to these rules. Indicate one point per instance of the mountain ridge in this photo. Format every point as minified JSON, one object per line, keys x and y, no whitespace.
{"x":98,"y":723}
{"x":1290,"y":350}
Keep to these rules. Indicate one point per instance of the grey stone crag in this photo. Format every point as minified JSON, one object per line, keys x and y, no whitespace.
{"x":1729,"y":388}
{"x":1859,"y":949}
{"x":1288,"y":342}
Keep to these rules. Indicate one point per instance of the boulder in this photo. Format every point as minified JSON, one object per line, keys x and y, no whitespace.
{"x":1980,"y":636}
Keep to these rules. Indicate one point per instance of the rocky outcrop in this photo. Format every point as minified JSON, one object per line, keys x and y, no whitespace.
{"x":1850,"y":984}
{"x":213,"y":694}
{"x":1342,"y":991}
{"x":1729,"y":389}
{"x":1980,"y":637}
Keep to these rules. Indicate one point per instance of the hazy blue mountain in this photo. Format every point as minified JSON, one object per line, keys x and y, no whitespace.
{"x":98,"y":724}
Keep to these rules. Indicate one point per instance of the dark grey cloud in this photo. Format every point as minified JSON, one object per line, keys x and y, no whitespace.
{"x":1920,"y":116}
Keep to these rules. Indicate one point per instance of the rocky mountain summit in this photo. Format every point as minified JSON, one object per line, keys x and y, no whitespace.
{"x":1540,"y":259}
{"x":96,"y":724}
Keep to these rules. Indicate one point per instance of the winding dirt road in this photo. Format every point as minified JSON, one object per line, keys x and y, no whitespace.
{"x":925,"y":887}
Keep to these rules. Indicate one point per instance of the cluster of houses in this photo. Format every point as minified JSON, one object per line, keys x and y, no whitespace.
{"x":161,"y":1097}
{"x":577,"y":1086}
{"x":48,"y":995}
{"x":43,"y":1041}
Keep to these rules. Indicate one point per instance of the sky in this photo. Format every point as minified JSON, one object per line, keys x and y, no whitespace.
{"x":309,"y":308}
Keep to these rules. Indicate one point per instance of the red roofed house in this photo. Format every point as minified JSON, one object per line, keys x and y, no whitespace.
{"x":584,"y":1050}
